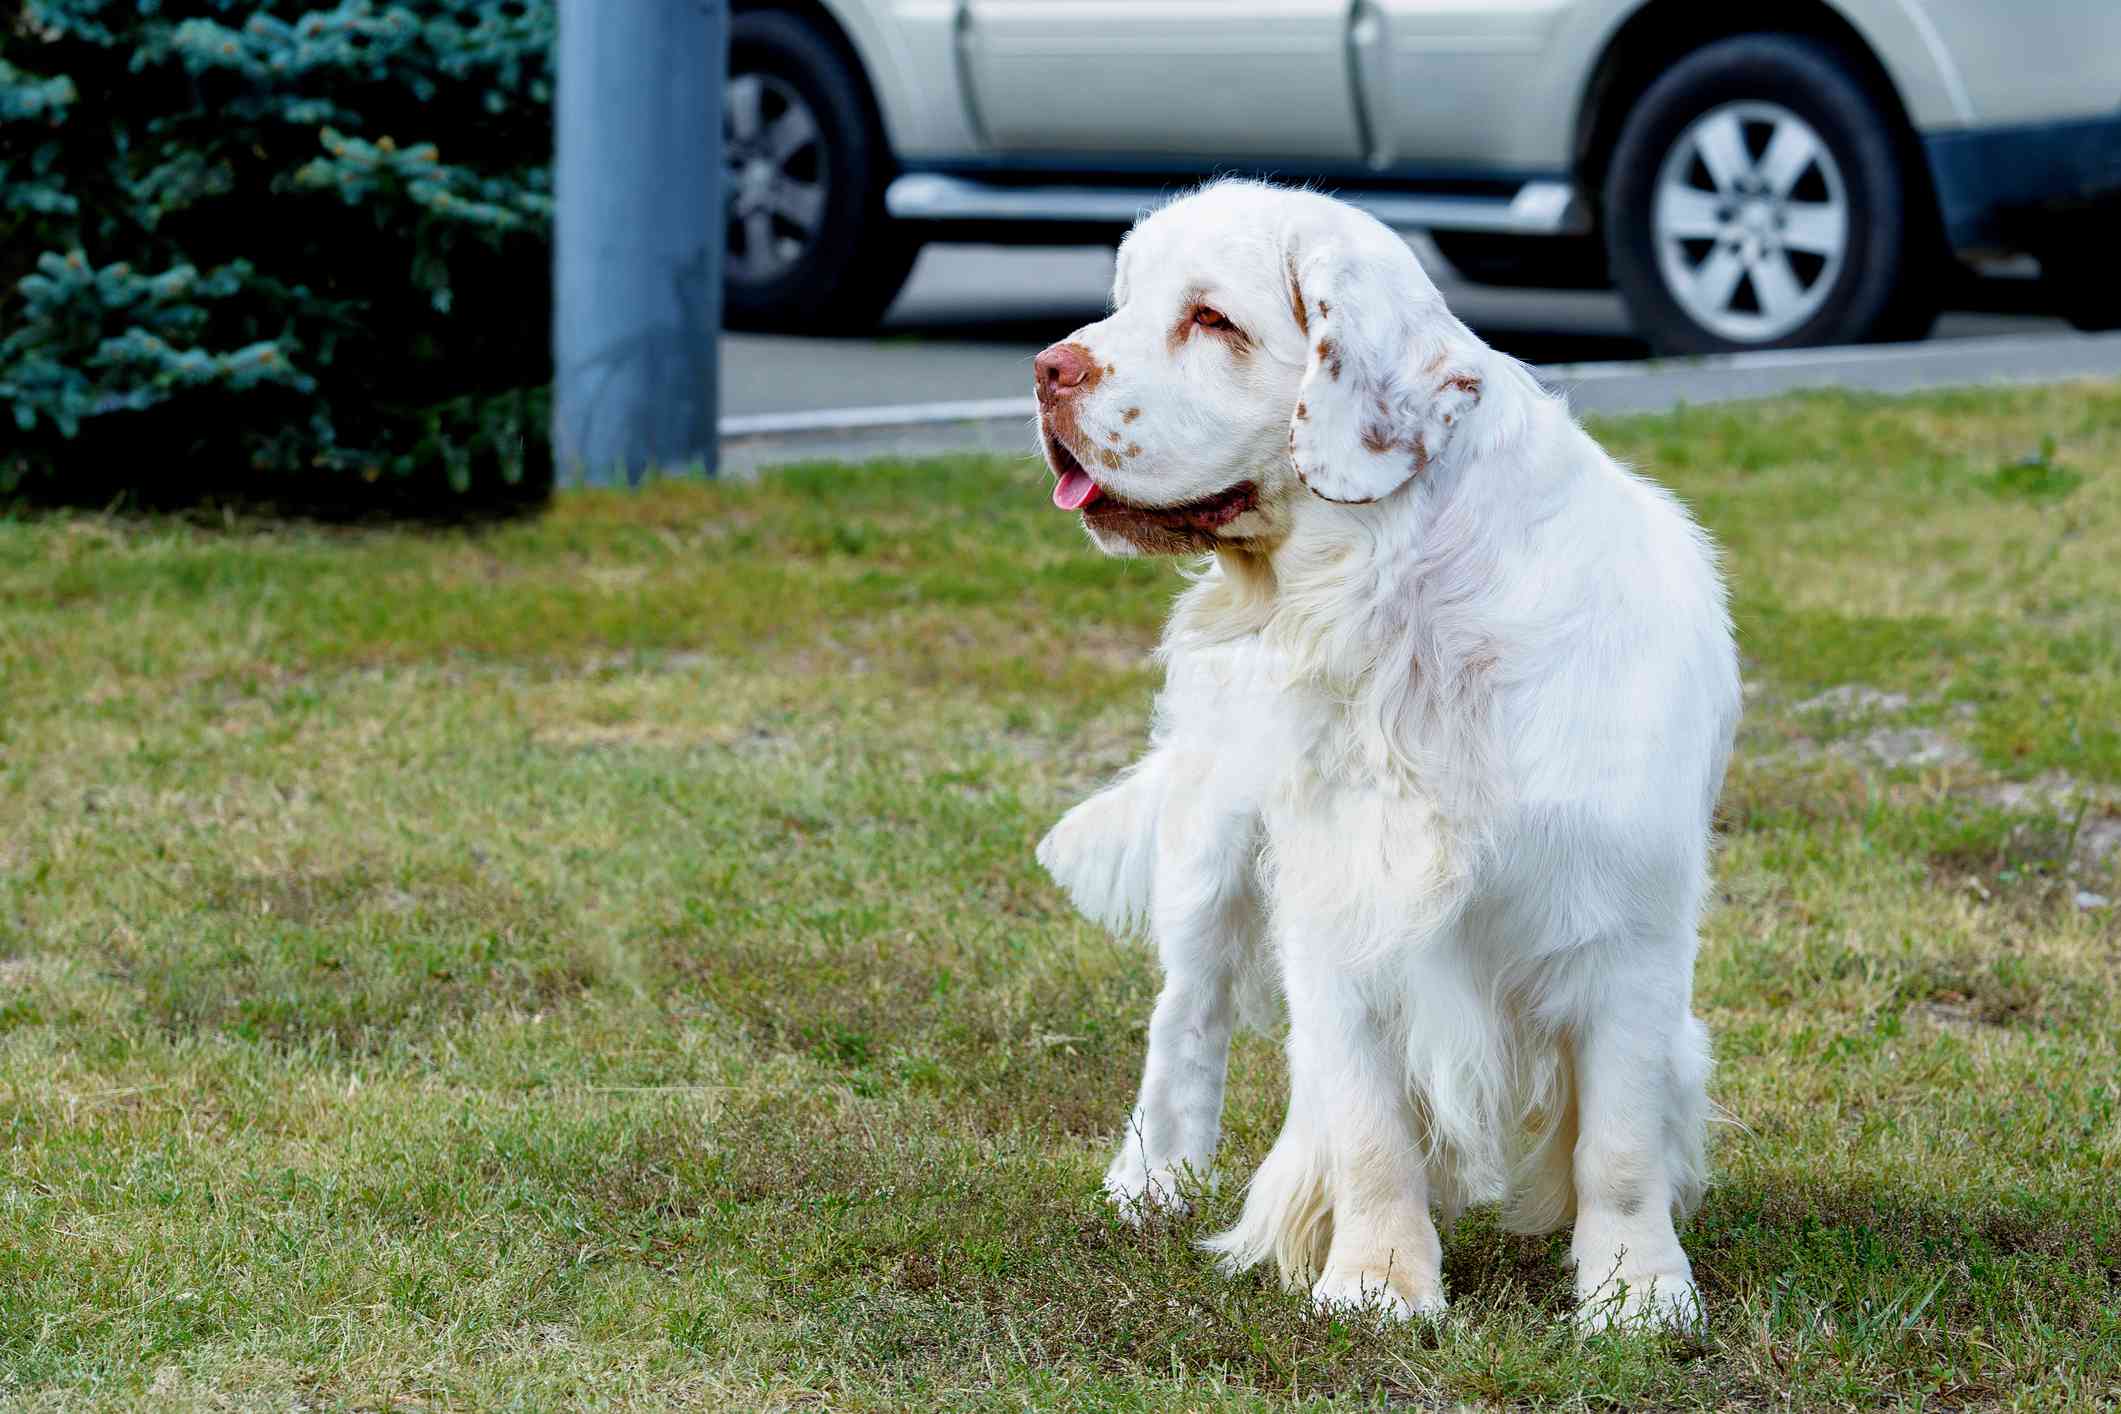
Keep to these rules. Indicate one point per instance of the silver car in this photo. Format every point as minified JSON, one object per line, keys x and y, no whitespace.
{"x":1788,"y":173}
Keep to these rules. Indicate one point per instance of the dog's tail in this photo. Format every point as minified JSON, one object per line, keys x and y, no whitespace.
{"x":1103,"y":852}
{"x":1288,"y":1214}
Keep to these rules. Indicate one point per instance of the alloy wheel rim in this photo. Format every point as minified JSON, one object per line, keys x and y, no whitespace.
{"x":774,"y":176}
{"x":1751,"y":221}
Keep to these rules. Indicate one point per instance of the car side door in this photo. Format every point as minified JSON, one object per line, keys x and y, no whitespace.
{"x":1083,"y":82}
{"x":1477,"y":87}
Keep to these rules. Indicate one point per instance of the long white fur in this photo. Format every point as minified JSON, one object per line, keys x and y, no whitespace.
{"x":1437,"y":749}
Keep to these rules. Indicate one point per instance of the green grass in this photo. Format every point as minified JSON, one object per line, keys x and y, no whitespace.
{"x":600,"y":959}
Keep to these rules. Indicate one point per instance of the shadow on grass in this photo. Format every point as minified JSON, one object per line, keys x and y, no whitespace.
{"x":483,"y":495}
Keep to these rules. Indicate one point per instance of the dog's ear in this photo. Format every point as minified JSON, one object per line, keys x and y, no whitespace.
{"x":1389,"y":377}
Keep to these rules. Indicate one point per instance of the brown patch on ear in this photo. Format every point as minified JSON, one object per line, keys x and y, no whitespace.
{"x":1465,"y":383}
{"x":1329,"y":355}
{"x":1377,"y":436}
{"x":1296,"y":300}
{"x":1109,"y":457}
{"x":1377,"y":439}
{"x":1130,"y":414}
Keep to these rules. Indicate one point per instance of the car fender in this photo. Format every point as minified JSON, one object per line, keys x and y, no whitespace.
{"x":1897,"y":32}
{"x":908,"y":52}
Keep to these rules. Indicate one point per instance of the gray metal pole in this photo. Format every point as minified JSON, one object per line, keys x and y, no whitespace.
{"x":637,"y":240}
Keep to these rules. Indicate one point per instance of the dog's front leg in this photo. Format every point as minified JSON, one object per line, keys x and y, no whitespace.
{"x":1348,"y":1072}
{"x":1206,"y":922}
{"x":1163,"y":847}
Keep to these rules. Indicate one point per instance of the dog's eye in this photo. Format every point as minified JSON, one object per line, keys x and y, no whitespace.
{"x":1208,"y":318}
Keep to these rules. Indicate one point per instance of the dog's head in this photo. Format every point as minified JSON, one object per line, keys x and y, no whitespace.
{"x":1264,"y":345}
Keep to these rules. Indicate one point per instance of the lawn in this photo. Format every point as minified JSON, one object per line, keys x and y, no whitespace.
{"x":599,"y":959}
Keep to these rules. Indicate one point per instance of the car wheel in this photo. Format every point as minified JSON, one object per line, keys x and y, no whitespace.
{"x":1757,"y":198}
{"x":1525,"y":262}
{"x":810,"y":246}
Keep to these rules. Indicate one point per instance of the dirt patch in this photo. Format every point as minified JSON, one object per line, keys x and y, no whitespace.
{"x":1909,"y":746}
{"x":2089,"y":814}
{"x":2056,"y":791}
{"x":1951,"y":1016}
{"x":1854,"y":698}
{"x":2099,"y":841}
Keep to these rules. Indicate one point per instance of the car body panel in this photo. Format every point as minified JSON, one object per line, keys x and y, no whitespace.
{"x":2044,"y":62}
{"x":1999,"y":188}
{"x":1458,"y":99}
{"x":1460,"y":82}
{"x":1239,"y":78}
{"x":1493,"y":84}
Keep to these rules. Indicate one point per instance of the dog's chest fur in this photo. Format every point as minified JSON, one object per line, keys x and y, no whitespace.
{"x":1339,"y":831}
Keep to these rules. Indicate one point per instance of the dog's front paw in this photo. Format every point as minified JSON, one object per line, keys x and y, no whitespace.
{"x":1138,"y":1192}
{"x":1665,"y":1300}
{"x":1394,"y":1294}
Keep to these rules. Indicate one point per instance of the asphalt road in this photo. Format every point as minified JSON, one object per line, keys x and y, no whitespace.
{"x":972,"y":318}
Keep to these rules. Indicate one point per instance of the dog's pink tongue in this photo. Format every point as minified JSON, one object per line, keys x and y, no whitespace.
{"x":1075,"y":490}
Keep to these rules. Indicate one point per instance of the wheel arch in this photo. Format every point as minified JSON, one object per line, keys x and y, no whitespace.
{"x":833,"y":32}
{"x":1662,"y":32}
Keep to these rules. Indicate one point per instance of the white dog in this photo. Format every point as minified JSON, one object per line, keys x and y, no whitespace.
{"x":1447,"y":709}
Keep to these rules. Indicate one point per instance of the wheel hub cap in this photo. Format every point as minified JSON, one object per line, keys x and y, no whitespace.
{"x":1750,"y":221}
{"x":776,"y":177}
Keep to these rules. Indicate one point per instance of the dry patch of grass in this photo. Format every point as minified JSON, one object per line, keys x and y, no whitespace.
{"x":599,"y":960}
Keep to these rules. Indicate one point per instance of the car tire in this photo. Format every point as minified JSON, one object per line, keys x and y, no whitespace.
{"x":810,"y":247}
{"x":1525,"y":262}
{"x":1758,"y":198}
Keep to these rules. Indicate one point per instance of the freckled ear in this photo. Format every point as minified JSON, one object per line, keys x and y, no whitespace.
{"x":1388,"y":380}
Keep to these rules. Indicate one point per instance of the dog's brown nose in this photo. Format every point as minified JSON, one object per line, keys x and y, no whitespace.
{"x":1060,"y":370}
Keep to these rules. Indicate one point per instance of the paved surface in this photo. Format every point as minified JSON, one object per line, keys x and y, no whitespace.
{"x":964,"y":332}
{"x":972,"y":317}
